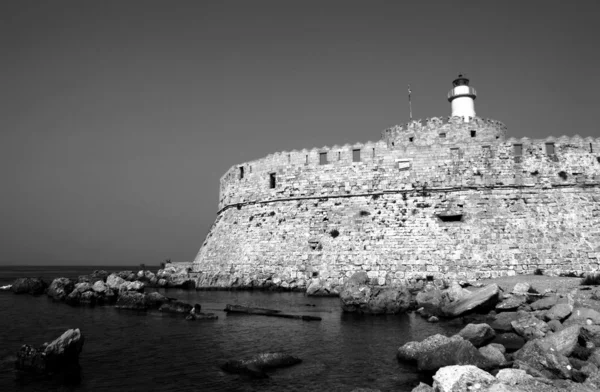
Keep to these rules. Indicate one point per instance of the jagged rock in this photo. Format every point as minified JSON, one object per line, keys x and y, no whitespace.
{"x":457,"y":352}
{"x":511,"y":303}
{"x":583,"y":316}
{"x":60,"y":288}
{"x":484,"y":297}
{"x":590,"y":368}
{"x":162,"y":282}
{"x":493,"y":354}
{"x":594,"y":357}
{"x":126,"y":275}
{"x":433,"y":319}
{"x":358,"y":296}
{"x":176,"y":276}
{"x":99,"y":287}
{"x":498,"y":347}
{"x":461,"y":378}
{"x":412,"y":350}
{"x":521,"y":288}
{"x":177,"y":307}
{"x":88,"y":298}
{"x":422,"y":387}
{"x":502,"y":321}
{"x":477,"y":334}
{"x":593,"y":381}
{"x":132,"y":286}
{"x":6,"y":287}
{"x":510,"y":340}
{"x":565,"y":340}
{"x":559,"y":312}
{"x":591,"y":335}
{"x":544,"y":303}
{"x":530,"y":327}
{"x":455,"y":292}
{"x":57,"y":360}
{"x":318,"y":288}
{"x":257,"y":365}
{"x":33,"y":286}
{"x":539,"y":358}
{"x":155,"y":299}
{"x":131,"y":300}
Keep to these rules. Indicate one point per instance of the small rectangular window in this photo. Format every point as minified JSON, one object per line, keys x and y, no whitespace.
{"x":442,"y":135}
{"x":289,"y":158}
{"x":373,"y":153}
{"x":356,"y":155}
{"x":454,"y":153}
{"x":322,"y":158}
{"x":591,"y":148}
{"x":411,"y":139}
{"x":473,"y":133}
{"x":549,"y":148}
{"x":307,"y":159}
{"x":272,"y":181}
{"x":241,"y":172}
{"x":487,"y":151}
{"x":339,"y":156}
{"x":518,"y":152}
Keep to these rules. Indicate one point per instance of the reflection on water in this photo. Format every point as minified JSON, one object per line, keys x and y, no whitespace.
{"x":137,"y":351}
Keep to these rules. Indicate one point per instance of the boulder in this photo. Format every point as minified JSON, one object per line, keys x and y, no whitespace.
{"x":412,"y":350}
{"x":431,"y":300}
{"x":176,"y":276}
{"x":455,"y":292}
{"x":511,"y":303}
{"x":33,"y":286}
{"x":512,"y":376}
{"x":544,"y":303}
{"x":73,"y":298}
{"x":565,"y":340}
{"x":88,"y":298}
{"x":176,"y":307}
{"x":126,"y":275}
{"x":97,"y":275}
{"x":583,"y":316}
{"x":510,"y":340}
{"x":539,"y":358}
{"x":114,"y":282}
{"x":498,"y":347}
{"x":477,"y":334}
{"x":521,"y":288}
{"x":461,"y":378}
{"x":502,"y":321}
{"x":6,"y":287}
{"x":591,"y":368}
{"x":594,"y":357}
{"x":83,"y":287}
{"x":58,"y":360}
{"x":318,"y":288}
{"x":456,"y":352}
{"x":60,"y":288}
{"x":422,"y":387}
{"x":358,"y":296}
{"x":257,"y":365}
{"x":558,"y":312}
{"x":99,"y":287}
{"x":593,"y":381}
{"x":530,"y":327}
{"x":132,"y":286}
{"x":155,"y":299}
{"x":493,"y":354}
{"x":555,"y":325}
{"x":482,"y":298}
{"x":131,"y":300}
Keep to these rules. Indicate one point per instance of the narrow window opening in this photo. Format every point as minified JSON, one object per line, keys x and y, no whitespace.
{"x":373,"y":153}
{"x":272,"y":181}
{"x":442,"y":135}
{"x":393,"y":144}
{"x":339,"y":156}
{"x":241,"y":172}
{"x":322,"y":158}
{"x":551,"y":152}
{"x":411,"y":139}
{"x":450,"y":217}
{"x":307,"y":159}
{"x":289,"y":158}
{"x":497,"y":137}
{"x":518,"y":152}
{"x":356,"y":155}
{"x":473,"y":133}
{"x":591,"y":148}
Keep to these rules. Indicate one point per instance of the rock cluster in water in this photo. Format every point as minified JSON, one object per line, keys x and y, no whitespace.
{"x":527,"y":342}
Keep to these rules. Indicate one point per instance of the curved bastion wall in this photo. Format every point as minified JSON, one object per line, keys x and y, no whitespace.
{"x":462,"y":205}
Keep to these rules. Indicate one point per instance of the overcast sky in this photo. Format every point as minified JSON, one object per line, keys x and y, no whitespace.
{"x":119,"y":117}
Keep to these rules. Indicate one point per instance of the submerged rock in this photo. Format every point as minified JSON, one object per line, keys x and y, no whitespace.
{"x":177,"y":307}
{"x":60,"y":288}
{"x":258,"y":365}
{"x":155,"y":299}
{"x":58,"y":360}
{"x":33,"y":286}
{"x":131,"y":300}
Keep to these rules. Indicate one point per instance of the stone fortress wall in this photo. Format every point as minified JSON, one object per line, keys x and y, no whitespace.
{"x":436,"y":199}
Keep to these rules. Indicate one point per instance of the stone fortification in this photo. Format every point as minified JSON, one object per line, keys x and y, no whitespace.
{"x":442,"y":198}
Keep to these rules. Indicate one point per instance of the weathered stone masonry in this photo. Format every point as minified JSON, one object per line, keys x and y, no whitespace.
{"x":443,"y":198}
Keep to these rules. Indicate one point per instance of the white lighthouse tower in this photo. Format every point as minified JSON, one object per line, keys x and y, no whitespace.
{"x":462,"y":97}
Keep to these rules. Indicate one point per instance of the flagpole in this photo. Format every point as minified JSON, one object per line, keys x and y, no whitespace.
{"x":409,"y":103}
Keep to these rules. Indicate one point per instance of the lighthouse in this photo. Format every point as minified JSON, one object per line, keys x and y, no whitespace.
{"x":462,"y":97}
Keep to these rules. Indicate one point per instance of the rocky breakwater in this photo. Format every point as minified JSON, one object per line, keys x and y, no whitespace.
{"x":57,"y":362}
{"x":359,"y":295}
{"x":173,"y":276}
{"x":542,"y":342}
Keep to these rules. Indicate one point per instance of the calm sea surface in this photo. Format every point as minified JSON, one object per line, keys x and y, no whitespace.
{"x":131,"y":351}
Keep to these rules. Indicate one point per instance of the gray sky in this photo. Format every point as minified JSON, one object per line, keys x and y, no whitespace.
{"x":119,"y":117}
